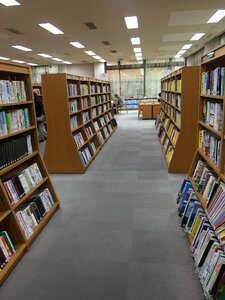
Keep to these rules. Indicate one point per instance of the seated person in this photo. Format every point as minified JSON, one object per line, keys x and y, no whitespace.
{"x":118,"y":100}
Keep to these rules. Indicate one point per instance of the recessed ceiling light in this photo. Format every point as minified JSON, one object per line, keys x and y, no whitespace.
{"x":131,"y":22}
{"x":56,"y":59}
{"x":177,"y":56}
{"x":139,"y":58}
{"x":44,"y":55}
{"x":32,"y":64}
{"x":9,"y":2}
{"x":4,"y":58}
{"x":102,"y":60}
{"x":187,"y":46}
{"x":77,"y":44}
{"x":138,"y":54}
{"x":97,"y":57}
{"x":217,"y":16}
{"x":22,"y":48}
{"x":197,"y":36}
{"x":136,"y":50}
{"x":67,"y":62}
{"x":90,"y":53}
{"x":181,"y":52}
{"x":51,"y":28}
{"x":135,"y":41}
{"x":18,"y":61}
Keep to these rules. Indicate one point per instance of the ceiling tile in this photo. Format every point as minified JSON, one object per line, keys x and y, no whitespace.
{"x":190,"y":17}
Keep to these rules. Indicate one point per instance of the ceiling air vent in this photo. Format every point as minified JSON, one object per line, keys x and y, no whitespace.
{"x":106,"y":43}
{"x":12,"y":30}
{"x":84,"y":61}
{"x":67,"y":54}
{"x":90,"y":25}
{"x":113,"y":51}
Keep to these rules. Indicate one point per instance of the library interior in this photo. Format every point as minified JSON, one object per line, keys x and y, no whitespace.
{"x":112,"y":150}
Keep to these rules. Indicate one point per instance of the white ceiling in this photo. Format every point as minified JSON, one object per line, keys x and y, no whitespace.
{"x":164,"y":27}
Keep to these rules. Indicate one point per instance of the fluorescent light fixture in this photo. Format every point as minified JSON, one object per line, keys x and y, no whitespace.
{"x":51,"y":28}
{"x":197,"y":36}
{"x":138,"y":54}
{"x":32,"y":64}
{"x":97,"y":57}
{"x":177,"y":56}
{"x":90,"y":53}
{"x":9,"y":2}
{"x":77,"y":45}
{"x":139,"y":58}
{"x":4,"y":58}
{"x":137,"y":50}
{"x":102,"y":60}
{"x":56,"y":59}
{"x":187,"y":46}
{"x":181,"y":52}
{"x":131,"y":22}
{"x":217,"y":16}
{"x":18,"y":61}
{"x":108,"y":64}
{"x":135,"y":41}
{"x":44,"y":55}
{"x":67,"y":62}
{"x":22,"y":48}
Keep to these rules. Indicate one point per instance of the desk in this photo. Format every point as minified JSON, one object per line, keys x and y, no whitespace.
{"x":149,"y":110}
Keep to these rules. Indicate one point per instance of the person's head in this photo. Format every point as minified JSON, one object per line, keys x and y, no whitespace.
{"x":116,"y":95}
{"x":159,"y":94}
{"x":35,"y":95}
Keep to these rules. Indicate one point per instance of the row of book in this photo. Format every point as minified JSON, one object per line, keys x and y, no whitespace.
{"x":79,"y":140}
{"x":74,"y":121}
{"x":169,"y":153}
{"x":94,"y":112}
{"x":33,"y":211}
{"x":213,"y":114}
{"x":12,"y":91}
{"x":205,"y":180}
{"x":14,"y":149}
{"x":85,"y":155}
{"x":84,"y":103}
{"x":14,"y":120}
{"x":85,"y":116}
{"x":73,"y":106}
{"x":176,"y":100}
{"x":106,"y":132}
{"x":210,"y":145}
{"x":89,"y":132}
{"x":84,"y":89}
{"x":207,"y":252}
{"x":212,"y":82}
{"x":100,"y":136}
{"x":20,"y":184}
{"x":173,"y":134}
{"x":6,"y":249}
{"x":72,"y":89}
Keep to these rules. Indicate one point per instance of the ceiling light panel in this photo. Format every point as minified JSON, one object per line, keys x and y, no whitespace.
{"x":131,"y":22}
{"x":136,"y":50}
{"x":181,"y":52}
{"x":217,"y":16}
{"x":90,"y":53}
{"x":138,"y":54}
{"x":77,"y":45}
{"x":135,"y":41}
{"x":97,"y":57}
{"x":44,"y":55}
{"x":18,"y":61}
{"x":4,"y":58}
{"x":177,"y":56}
{"x":9,"y":2}
{"x":22,"y":48}
{"x":102,"y":60}
{"x":32,"y":64}
{"x":187,"y":46}
{"x":197,"y":36}
{"x":51,"y":28}
{"x":56,"y":59}
{"x":67,"y":62}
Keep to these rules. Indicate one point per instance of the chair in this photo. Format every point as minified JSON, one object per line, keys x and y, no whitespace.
{"x":123,"y":107}
{"x":140,"y":110}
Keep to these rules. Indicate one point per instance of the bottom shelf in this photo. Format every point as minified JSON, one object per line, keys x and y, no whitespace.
{"x":4,"y":273}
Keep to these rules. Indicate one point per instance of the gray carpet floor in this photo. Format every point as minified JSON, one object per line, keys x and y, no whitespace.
{"x":117,"y":234}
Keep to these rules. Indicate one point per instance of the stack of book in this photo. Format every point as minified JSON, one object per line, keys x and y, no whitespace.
{"x":72,"y":89}
{"x":96,"y":125}
{"x":74,"y":122}
{"x":84,"y":89}
{"x":213,"y":82}
{"x":106,"y":132}
{"x":6,"y":249}
{"x":33,"y":211}
{"x":79,"y":140}
{"x":93,"y":101}
{"x":19,"y":185}
{"x":99,"y":134}
{"x":94,"y":112}
{"x":93,"y":147}
{"x":85,"y":116}
{"x":89,"y":132}
{"x":73,"y":106}
{"x":14,"y":149}
{"x":93,"y":89}
{"x":85,"y":155}
{"x":213,"y":114}
{"x":14,"y":120}
{"x":84,"y":103}
{"x":12,"y":91}
{"x":210,"y":145}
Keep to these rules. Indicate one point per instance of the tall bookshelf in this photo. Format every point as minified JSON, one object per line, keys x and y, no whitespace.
{"x":177,"y":122}
{"x":20,"y":165}
{"x":80,"y":121}
{"x":207,"y":171}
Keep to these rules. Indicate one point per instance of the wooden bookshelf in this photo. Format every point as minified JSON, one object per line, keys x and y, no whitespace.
{"x":8,"y":210}
{"x":74,"y":105}
{"x":178,"y":115}
{"x":211,"y":96}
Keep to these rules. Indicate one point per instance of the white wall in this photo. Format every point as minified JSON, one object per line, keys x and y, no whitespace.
{"x":99,"y":71}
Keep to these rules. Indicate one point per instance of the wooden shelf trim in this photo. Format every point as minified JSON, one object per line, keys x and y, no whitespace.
{"x":4,"y":214}
{"x":8,"y":104}
{"x":212,"y":129}
{"x":210,"y":162}
{"x":77,"y":128}
{"x":75,"y":112}
{"x":212,"y":97}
